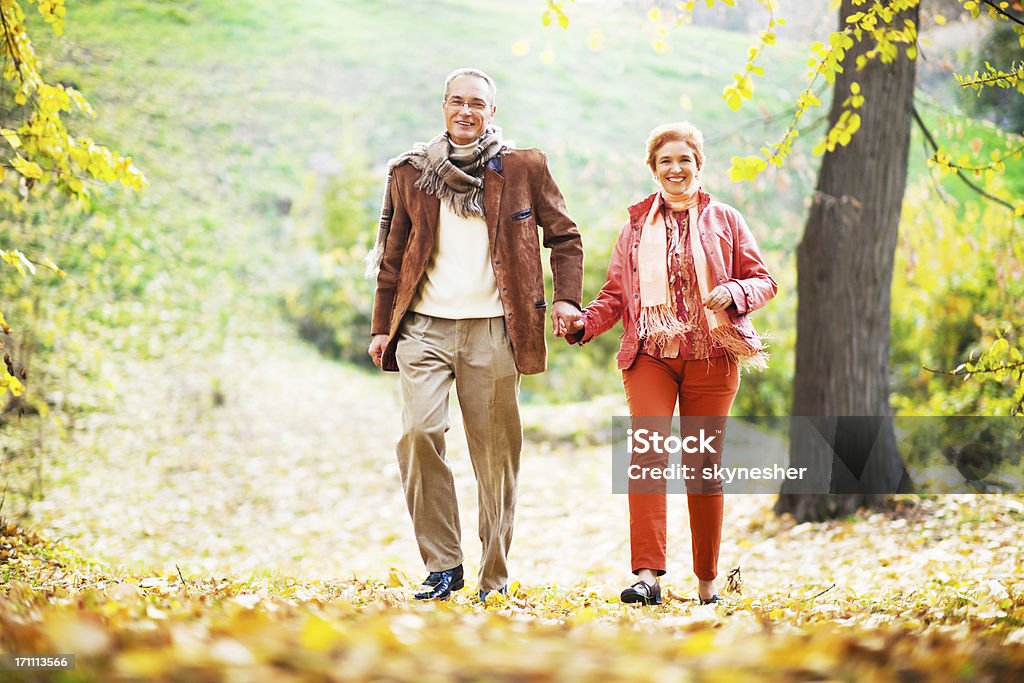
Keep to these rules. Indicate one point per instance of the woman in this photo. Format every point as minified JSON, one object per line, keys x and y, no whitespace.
{"x":683,"y":296}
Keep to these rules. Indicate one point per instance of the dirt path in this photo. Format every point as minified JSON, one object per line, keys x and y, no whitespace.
{"x":294,"y":475}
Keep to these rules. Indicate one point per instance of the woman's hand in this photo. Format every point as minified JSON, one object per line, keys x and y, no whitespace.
{"x":719,"y":299}
{"x":564,"y":317}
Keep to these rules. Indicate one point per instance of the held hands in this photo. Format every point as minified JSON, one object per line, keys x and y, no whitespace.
{"x":565,"y":318}
{"x":377,"y":346}
{"x":719,"y":299}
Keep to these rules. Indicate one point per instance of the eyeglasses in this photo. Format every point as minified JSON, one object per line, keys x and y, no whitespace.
{"x":456,"y":104}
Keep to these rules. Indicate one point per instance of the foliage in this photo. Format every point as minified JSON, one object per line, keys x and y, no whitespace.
{"x":40,"y":149}
{"x":1002,"y":102}
{"x":876,"y":24}
{"x":928,"y":614}
{"x":958,"y":297}
{"x":332,"y":309}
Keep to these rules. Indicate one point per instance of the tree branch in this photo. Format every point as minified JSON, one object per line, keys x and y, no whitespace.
{"x":994,"y":78}
{"x":9,"y":40}
{"x":1002,"y":367}
{"x":1000,"y":10}
{"x":959,"y":173}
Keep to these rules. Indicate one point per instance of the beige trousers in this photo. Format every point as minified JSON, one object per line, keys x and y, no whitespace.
{"x":477,"y":355}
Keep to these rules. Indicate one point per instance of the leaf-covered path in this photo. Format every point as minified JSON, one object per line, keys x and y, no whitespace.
{"x":266,"y":477}
{"x":270,"y":460}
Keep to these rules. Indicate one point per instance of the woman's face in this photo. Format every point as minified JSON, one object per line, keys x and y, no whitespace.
{"x":675,"y":166}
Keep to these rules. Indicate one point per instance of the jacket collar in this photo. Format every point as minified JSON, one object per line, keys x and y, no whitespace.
{"x":639,"y":211}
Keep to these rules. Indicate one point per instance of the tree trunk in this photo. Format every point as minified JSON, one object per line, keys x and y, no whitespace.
{"x":844,"y":276}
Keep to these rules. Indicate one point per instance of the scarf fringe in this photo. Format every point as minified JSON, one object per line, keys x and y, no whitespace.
{"x":464,"y":203}
{"x":660,"y":324}
{"x":748,"y":356}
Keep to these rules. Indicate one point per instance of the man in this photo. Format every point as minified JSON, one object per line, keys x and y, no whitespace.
{"x":460,"y":297}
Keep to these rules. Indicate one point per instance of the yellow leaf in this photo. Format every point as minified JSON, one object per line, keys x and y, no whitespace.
{"x":654,"y":14}
{"x":733,"y":99}
{"x":584,"y":616}
{"x":29,"y":169}
{"x":596,"y":40}
{"x":397,"y":578}
{"x":319,"y":635}
{"x":143,"y":663}
{"x":746,"y":168}
{"x":940,"y":20}
{"x":50,"y":265}
{"x":520,"y":48}
{"x":698,"y":644}
{"x":854,"y":124}
{"x":12,"y":137}
{"x":14,"y":385}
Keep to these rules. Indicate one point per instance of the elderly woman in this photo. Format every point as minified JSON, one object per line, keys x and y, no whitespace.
{"x":683,"y":277}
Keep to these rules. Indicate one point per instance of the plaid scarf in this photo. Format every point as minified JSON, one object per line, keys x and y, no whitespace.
{"x":452,"y":175}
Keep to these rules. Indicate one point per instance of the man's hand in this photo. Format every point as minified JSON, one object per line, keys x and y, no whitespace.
{"x":377,"y":346}
{"x":565,"y":318}
{"x":719,"y":299}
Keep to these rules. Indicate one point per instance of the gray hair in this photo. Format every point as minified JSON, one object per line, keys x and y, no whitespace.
{"x":469,"y":71}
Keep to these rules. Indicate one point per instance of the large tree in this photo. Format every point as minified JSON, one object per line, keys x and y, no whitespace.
{"x":844,"y":275}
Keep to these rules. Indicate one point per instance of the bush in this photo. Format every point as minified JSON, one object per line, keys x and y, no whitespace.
{"x":337,"y":222}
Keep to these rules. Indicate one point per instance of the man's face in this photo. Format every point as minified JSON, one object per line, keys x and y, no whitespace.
{"x":467,"y":109}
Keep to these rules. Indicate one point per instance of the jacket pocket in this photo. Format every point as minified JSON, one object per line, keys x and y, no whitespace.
{"x":522,"y":215}
{"x":626,"y":352}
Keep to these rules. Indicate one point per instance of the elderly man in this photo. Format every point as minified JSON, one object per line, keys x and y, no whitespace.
{"x":460,"y":297}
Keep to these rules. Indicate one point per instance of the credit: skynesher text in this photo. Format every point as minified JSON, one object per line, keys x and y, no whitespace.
{"x":726,"y":474}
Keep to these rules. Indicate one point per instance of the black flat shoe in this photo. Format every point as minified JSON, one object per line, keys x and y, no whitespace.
{"x":713,"y":600}
{"x":442,"y":590}
{"x":458,"y":581}
{"x":643,"y":593}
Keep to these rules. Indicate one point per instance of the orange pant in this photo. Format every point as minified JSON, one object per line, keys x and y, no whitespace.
{"x":702,"y":388}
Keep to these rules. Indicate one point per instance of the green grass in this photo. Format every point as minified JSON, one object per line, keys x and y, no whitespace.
{"x":224,"y":104}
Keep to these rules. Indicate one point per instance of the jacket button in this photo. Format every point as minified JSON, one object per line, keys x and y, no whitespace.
{"x":636,"y":296}
{"x":497,"y":261}
{"x":504,"y":289}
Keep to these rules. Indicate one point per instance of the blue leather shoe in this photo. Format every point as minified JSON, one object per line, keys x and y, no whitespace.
{"x":442,"y":590}
{"x":483,"y":594}
{"x":713,"y":600}
{"x":458,"y":581}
